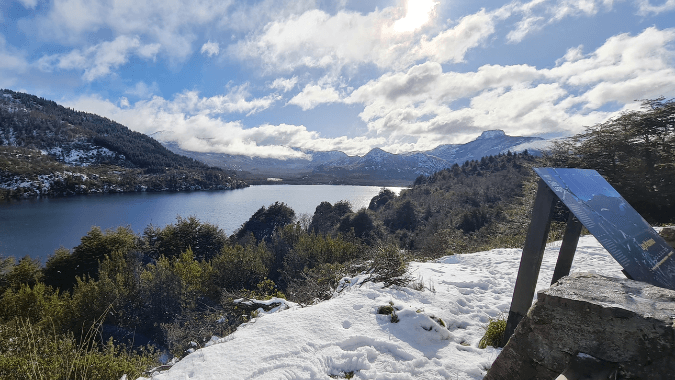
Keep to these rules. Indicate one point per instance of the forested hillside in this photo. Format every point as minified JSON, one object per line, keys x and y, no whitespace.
{"x":474,"y":206}
{"x":49,"y":149}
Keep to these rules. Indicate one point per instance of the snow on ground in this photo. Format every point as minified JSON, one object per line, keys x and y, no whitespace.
{"x":346,"y":334}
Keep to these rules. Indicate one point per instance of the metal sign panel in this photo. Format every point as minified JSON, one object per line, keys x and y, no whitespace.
{"x":643,"y":254}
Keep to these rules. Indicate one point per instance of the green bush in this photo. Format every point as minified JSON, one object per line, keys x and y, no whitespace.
{"x":318,"y":283}
{"x":204,"y":239}
{"x":238,"y":267}
{"x":38,"y":304}
{"x":26,"y":272}
{"x":63,"y":268}
{"x":389,"y":265}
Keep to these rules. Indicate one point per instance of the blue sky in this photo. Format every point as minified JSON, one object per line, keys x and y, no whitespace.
{"x":274,"y":78}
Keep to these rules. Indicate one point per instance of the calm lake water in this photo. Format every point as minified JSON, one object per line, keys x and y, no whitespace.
{"x":37,"y":227}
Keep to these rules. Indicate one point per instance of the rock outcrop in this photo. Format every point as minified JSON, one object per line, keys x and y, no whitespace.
{"x":627,"y":325}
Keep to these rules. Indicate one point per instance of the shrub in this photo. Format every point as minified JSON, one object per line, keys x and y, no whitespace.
{"x":381,"y":199}
{"x":30,"y":351}
{"x":240,"y":267}
{"x":38,"y":304}
{"x":389,"y":266}
{"x":385,"y":309}
{"x":115,"y":295}
{"x":63,"y":268}
{"x":204,"y":239}
{"x":326,"y":217}
{"x":316,"y":284}
{"x":26,"y":272}
{"x":494,"y":331}
{"x":361,"y":224}
{"x":389,"y":310}
{"x":264,"y":221}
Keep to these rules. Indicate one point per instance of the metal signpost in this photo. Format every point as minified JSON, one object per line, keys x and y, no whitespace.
{"x":593,"y":202}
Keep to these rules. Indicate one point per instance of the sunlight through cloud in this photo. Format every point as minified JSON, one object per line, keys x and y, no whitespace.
{"x":418,"y":13}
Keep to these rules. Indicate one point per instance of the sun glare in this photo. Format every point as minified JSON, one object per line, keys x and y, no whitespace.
{"x":418,"y":13}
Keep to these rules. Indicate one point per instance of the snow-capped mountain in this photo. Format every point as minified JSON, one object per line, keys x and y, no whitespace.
{"x":375,"y":166}
{"x":489,"y":143}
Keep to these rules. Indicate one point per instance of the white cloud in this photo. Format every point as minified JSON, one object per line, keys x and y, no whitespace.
{"x":415,"y":109}
{"x":646,"y":7}
{"x":99,"y":60}
{"x":12,"y":64}
{"x":10,"y":58}
{"x":210,"y":48}
{"x":524,"y":27}
{"x":235,"y":101}
{"x":313,"y":95}
{"x":203,"y":132}
{"x":250,"y":15}
{"x":572,"y":55}
{"x":417,"y":105}
{"x":29,"y":4}
{"x":418,"y":13}
{"x":622,"y":59}
{"x":451,"y":45}
{"x":142,"y":90}
{"x":316,"y":39}
{"x":284,"y":84}
{"x":171,"y":24}
{"x":537,"y":14}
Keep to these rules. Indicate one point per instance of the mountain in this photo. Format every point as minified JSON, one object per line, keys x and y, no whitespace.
{"x":489,"y":143}
{"x":377,"y":167}
{"x":47,"y":149}
{"x":261,"y":166}
{"x":380,"y":165}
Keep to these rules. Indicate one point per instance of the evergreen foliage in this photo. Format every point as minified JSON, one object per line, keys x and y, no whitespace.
{"x":263,"y":223}
{"x":326,"y":216}
{"x":635,"y":152}
{"x":479,"y":205}
{"x":204,"y":239}
{"x":381,"y":199}
{"x":63,"y":267}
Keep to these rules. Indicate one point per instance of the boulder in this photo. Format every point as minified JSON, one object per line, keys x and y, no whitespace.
{"x":668,"y":234}
{"x":626,"y":325}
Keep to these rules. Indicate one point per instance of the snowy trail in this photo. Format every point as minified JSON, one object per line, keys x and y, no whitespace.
{"x":345,"y":334}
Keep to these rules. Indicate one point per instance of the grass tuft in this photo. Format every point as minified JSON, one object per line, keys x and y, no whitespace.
{"x":494,"y":331}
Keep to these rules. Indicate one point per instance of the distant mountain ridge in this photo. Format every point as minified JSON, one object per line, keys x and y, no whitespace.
{"x":376,"y":166}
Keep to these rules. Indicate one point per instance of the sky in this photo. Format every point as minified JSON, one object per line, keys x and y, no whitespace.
{"x":279,"y":78}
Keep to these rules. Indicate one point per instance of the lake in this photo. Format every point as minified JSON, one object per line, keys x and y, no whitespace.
{"x":36,"y":227}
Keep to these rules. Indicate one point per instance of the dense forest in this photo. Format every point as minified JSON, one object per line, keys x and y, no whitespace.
{"x":42,"y":144}
{"x":119,"y":300}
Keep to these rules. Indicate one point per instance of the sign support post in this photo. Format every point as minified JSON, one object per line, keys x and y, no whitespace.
{"x":567,"y":248}
{"x":530,"y":262}
{"x":595,"y":204}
